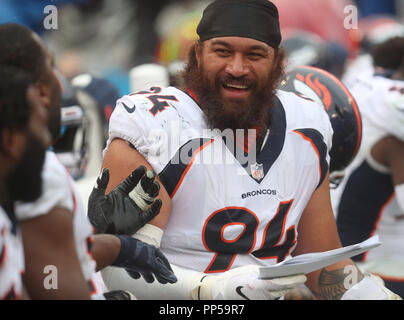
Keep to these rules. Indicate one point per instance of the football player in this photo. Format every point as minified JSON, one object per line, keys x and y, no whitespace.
{"x":55,"y":229}
{"x":232,"y":202}
{"x":24,"y":137}
{"x":372,"y":31}
{"x":371,"y":197}
{"x":325,"y":89}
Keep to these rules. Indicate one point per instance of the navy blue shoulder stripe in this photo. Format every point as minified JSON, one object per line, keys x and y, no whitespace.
{"x":172,"y":173}
{"x":318,"y":141}
{"x":275,"y":142}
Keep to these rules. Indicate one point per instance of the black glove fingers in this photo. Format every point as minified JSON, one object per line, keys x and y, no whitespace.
{"x":147,"y":180}
{"x":161,"y":259}
{"x":164,"y":269}
{"x":161,"y":279}
{"x":152,"y":212}
{"x":102,"y":181}
{"x":96,"y":202}
{"x":164,"y":276}
{"x":142,"y":259}
{"x":148,"y":277}
{"x":154,"y":189}
{"x":132,"y":180}
{"x":133,"y":274}
{"x":137,"y":174}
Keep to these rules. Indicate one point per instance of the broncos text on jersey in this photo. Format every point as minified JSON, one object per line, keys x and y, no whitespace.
{"x":231,"y":206}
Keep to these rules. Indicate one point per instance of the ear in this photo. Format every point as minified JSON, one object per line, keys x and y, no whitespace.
{"x":13,"y":143}
{"x":279,"y":58}
{"x":44,"y":94}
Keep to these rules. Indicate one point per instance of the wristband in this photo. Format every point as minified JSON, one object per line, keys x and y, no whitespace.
{"x":149,"y":234}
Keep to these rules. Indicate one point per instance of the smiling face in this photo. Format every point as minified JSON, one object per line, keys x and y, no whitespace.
{"x":239,"y":65}
{"x":234,"y":79}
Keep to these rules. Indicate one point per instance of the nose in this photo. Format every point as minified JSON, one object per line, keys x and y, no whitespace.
{"x":236,"y":66}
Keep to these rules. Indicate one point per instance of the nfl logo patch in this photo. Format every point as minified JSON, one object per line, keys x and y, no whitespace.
{"x":257,"y":171}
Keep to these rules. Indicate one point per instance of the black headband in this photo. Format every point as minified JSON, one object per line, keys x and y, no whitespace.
{"x":256,"y":19}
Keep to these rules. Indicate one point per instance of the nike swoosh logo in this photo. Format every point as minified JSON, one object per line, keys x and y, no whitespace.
{"x":238,"y":290}
{"x":130,"y":110}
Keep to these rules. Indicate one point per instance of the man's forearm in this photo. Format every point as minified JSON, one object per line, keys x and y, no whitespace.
{"x":53,"y":246}
{"x":332,"y":284}
{"x":105,"y":250}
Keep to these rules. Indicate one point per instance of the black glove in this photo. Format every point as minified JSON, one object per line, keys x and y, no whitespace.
{"x":119,"y":295}
{"x":142,"y":259}
{"x":127,"y":207}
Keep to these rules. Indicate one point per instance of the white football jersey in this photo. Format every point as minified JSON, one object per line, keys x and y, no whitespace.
{"x":11,"y":258}
{"x":365,"y":202}
{"x":227,"y":211}
{"x":360,"y":68}
{"x":59,"y":190}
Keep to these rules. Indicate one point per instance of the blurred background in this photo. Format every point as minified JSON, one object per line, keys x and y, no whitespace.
{"x":106,"y":49}
{"x":109,"y":38}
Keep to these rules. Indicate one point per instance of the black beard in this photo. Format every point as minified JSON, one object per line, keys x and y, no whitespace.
{"x":250,"y":114}
{"x":224,"y":114}
{"x":25,"y":183}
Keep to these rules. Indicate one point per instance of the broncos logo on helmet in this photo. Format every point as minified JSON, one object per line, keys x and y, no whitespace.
{"x":325,"y":89}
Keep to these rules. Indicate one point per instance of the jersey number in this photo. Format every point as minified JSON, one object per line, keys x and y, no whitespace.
{"x":159,"y":101}
{"x":226,"y":250}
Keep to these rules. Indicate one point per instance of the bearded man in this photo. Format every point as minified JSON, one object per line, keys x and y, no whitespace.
{"x":225,"y":213}
{"x":24,"y":138}
{"x":54,"y":226}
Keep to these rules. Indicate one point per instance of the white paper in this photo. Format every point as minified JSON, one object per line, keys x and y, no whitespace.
{"x":309,"y":262}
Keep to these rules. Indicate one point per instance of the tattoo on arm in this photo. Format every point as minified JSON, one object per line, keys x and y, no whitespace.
{"x":299,"y":293}
{"x":331,"y":284}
